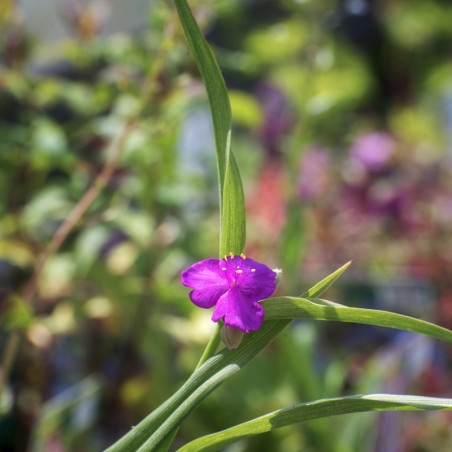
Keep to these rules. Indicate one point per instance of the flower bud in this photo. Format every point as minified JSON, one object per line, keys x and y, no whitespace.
{"x":231,"y":337}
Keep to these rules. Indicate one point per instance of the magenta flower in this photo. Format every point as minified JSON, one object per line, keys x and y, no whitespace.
{"x":234,"y":285}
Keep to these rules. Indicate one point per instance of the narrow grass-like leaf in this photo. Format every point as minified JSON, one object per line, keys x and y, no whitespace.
{"x":208,"y":377}
{"x":232,"y":206}
{"x":323,"y":285}
{"x":233,"y":231}
{"x":151,"y":431}
{"x":213,"y":81}
{"x":280,"y":308}
{"x":313,"y":410}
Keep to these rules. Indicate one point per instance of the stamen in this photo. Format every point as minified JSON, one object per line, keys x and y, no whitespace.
{"x":253,"y":270}
{"x":223,"y":268}
{"x":231,"y":255}
{"x":242,"y":256}
{"x":239,"y":271}
{"x":238,"y":266}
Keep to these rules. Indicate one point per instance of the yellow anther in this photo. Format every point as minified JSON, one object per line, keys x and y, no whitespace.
{"x":231,"y":255}
{"x":243,"y":256}
{"x":239,"y":271}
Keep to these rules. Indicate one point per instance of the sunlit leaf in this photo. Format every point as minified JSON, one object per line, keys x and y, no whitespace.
{"x":312,"y":308}
{"x":232,"y":206}
{"x":313,"y":410}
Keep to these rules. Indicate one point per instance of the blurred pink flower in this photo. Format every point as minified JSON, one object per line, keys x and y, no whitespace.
{"x":373,"y":151}
{"x":278,"y":119}
{"x":314,"y":175}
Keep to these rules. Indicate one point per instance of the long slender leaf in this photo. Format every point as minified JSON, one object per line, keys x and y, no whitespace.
{"x":213,"y":81}
{"x":313,"y":410}
{"x":232,"y":206}
{"x":233,"y":229}
{"x":313,"y":308}
{"x":323,"y":285}
{"x":152,"y":430}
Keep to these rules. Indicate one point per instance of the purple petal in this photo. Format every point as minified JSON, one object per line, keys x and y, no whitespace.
{"x":239,"y":311}
{"x":256,"y":281}
{"x":208,"y":281}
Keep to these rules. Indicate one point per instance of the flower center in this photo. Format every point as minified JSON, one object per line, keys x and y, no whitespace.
{"x":233,"y":270}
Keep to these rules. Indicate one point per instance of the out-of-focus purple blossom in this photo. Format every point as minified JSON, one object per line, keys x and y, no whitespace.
{"x":315,"y":173}
{"x":392,"y":204}
{"x":277,"y":120}
{"x":234,"y":285}
{"x":373,"y":151}
{"x":387,"y":199}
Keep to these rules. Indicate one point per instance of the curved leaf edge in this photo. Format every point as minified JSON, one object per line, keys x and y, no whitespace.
{"x":314,"y":410}
{"x":285,"y":308}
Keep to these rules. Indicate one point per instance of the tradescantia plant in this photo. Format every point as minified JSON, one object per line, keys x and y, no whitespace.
{"x":238,"y":287}
{"x":234,"y":285}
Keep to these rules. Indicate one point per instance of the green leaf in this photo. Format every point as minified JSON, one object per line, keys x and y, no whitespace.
{"x":232,"y":206}
{"x":233,"y":231}
{"x":313,"y":410}
{"x":213,"y":81}
{"x":323,"y":285}
{"x":152,"y":431}
{"x":279,"y":308}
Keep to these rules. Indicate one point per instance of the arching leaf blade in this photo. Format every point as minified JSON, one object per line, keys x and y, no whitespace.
{"x":322,"y":286}
{"x":314,"y":410}
{"x":280,"y":308}
{"x":213,"y":81}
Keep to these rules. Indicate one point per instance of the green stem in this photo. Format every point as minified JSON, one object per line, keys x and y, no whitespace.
{"x":209,"y":351}
{"x":211,"y":347}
